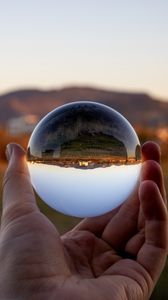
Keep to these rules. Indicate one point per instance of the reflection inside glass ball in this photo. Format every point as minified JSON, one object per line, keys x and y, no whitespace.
{"x":84,"y":159}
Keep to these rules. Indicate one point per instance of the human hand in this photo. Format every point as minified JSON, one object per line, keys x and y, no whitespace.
{"x":116,"y":256}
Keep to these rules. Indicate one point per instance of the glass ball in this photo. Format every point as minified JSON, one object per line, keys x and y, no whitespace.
{"x":84,"y":159}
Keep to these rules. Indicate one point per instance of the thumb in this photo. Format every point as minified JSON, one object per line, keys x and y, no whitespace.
{"x":18,"y":195}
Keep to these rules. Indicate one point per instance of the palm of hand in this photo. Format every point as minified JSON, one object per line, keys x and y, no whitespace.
{"x":108,"y":271}
{"x":81,"y":265}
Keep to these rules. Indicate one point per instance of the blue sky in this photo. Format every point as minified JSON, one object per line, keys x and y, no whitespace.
{"x":104,"y":43}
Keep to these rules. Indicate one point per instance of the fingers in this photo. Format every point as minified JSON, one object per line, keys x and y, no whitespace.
{"x":18,"y":195}
{"x":153,"y":252}
{"x":151,"y":170}
{"x":124,"y":225}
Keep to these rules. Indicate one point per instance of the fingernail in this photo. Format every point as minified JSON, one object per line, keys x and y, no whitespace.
{"x":9,"y":150}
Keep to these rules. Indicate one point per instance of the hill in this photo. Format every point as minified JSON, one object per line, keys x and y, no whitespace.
{"x":138,"y":108}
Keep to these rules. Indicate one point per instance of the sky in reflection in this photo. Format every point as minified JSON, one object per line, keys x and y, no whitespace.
{"x":84,"y":193}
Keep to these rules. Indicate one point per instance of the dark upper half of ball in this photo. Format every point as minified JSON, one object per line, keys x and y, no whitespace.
{"x":84,"y":130}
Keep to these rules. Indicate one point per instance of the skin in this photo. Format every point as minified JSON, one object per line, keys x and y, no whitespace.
{"x":116,"y":256}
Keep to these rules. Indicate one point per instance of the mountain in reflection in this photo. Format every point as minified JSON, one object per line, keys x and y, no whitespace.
{"x":93,"y":146}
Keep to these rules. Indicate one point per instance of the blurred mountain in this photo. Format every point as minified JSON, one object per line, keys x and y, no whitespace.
{"x":138,"y":108}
